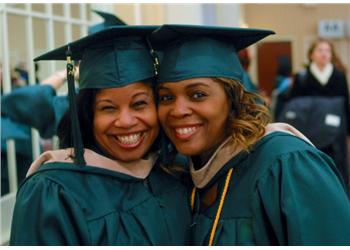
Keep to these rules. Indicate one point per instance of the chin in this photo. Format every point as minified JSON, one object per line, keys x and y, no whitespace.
{"x":188,"y":150}
{"x":129,"y":156}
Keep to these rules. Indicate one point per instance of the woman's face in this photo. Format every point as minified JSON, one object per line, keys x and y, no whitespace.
{"x":125,"y":121}
{"x":193,"y":113}
{"x":322,"y":54}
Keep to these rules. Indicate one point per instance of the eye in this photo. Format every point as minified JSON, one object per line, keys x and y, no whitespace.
{"x":165,"y":98}
{"x":107,"y":108}
{"x":198,"y":95}
{"x":139,"y":104}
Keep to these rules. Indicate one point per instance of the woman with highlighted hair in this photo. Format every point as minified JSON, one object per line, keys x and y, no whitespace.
{"x":252,"y":185}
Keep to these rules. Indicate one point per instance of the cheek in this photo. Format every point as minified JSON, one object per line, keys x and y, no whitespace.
{"x":151,"y":120}
{"x":162,"y":113}
{"x":99,"y":126}
{"x":219,"y":117}
{"x":222,"y":108}
{"x":96,"y":129}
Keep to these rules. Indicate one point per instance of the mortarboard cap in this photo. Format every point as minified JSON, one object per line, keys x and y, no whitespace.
{"x":110,"y":58}
{"x":190,"y":51}
{"x":109,"y":20}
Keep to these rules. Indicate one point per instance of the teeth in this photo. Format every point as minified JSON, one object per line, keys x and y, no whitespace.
{"x":129,"y":139}
{"x":186,"y":131}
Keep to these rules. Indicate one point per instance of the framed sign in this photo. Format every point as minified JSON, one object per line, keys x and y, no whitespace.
{"x":331,"y":29}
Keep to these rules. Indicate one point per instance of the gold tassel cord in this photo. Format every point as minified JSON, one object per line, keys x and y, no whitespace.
{"x":218,"y":213}
{"x":221,"y":204}
{"x":193,"y":195}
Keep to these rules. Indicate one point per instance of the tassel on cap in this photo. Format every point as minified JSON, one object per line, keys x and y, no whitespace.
{"x":76,"y":135}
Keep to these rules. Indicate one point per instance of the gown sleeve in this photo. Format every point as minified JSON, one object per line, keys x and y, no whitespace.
{"x":304,"y":200}
{"x":46,"y":214}
{"x":36,"y":106}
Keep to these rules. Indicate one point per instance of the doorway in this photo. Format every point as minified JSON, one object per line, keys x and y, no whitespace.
{"x":269,"y":54}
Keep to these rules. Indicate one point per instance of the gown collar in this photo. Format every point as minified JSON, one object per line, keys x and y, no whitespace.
{"x":138,"y":168}
{"x":228,"y":150}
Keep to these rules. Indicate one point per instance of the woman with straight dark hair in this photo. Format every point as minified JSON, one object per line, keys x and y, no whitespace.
{"x":108,"y":187}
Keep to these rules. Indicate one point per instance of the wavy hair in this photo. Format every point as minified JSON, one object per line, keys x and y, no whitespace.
{"x":248,"y":116}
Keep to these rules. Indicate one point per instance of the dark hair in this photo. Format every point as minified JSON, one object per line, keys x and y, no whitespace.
{"x":85,"y":104}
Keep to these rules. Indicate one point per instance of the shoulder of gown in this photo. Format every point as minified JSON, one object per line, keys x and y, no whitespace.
{"x":76,"y":205}
{"x":47,"y":214}
{"x":301,"y":195}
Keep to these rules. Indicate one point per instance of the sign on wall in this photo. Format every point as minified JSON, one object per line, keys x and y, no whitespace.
{"x":331,"y":29}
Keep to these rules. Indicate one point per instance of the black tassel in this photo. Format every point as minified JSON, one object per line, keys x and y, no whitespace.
{"x":76,"y":135}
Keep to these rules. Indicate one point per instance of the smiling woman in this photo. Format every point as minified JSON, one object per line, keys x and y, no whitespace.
{"x":191,"y":112}
{"x":125,"y":123}
{"x":122,"y":195}
{"x":252,"y":185}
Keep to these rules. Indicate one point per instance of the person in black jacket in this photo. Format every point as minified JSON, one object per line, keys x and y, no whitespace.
{"x":325,"y":77}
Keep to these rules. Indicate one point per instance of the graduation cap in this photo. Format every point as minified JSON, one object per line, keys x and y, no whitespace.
{"x":113,"y":57}
{"x":190,"y":51}
{"x":109,"y":20}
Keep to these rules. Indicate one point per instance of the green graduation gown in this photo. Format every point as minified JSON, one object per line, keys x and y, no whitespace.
{"x":23,"y":144}
{"x":62,"y":204}
{"x":284,"y":192}
{"x":37,"y":106}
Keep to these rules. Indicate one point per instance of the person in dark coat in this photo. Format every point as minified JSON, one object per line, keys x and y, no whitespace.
{"x":323,"y":77}
{"x":251,"y":186}
{"x":109,"y":187}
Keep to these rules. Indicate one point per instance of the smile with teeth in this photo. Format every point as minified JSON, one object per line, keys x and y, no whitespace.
{"x":131,"y":139}
{"x":185,"y":132}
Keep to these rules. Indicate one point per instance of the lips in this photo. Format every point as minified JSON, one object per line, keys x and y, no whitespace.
{"x":185,"y":132}
{"x":130,"y":140}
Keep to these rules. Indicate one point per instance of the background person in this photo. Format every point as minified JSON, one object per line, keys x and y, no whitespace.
{"x":322,"y":89}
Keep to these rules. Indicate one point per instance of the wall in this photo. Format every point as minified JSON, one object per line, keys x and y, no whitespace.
{"x":299,"y":23}
{"x":157,"y":14}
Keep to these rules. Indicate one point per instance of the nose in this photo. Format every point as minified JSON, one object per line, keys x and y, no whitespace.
{"x":180,"y":108}
{"x":126,"y":119}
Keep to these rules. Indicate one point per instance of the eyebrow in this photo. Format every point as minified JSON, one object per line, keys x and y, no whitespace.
{"x":134,"y":96}
{"x":197,"y":84}
{"x":191,"y":85}
{"x":141,"y":93}
{"x":103,"y":100}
